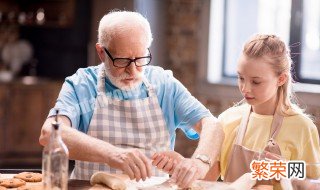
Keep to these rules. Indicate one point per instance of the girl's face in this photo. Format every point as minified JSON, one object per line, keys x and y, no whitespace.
{"x":258,"y":84}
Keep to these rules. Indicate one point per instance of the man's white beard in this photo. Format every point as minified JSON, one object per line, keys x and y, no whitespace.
{"x":116,"y":81}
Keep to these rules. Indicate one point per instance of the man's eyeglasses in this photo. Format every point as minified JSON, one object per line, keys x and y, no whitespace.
{"x":125,"y":62}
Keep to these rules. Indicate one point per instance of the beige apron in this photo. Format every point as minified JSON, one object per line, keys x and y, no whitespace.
{"x":241,"y":157}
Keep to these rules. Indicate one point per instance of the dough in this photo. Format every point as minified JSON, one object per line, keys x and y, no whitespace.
{"x":109,"y":180}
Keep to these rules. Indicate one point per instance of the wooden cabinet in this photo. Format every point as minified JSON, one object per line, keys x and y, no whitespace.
{"x":23,"y":109}
{"x":3,"y":98}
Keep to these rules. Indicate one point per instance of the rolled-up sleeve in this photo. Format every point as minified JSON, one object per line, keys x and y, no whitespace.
{"x":68,"y":104}
{"x":179,"y":107}
{"x":187,"y":110}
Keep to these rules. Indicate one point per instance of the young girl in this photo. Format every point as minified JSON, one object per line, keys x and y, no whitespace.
{"x":267,"y":120}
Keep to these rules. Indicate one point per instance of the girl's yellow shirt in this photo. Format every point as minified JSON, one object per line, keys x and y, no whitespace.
{"x":298,"y":137}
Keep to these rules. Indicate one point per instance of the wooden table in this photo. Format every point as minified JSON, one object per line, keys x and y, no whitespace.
{"x":72,"y":184}
{"x":85,"y":185}
{"x":150,"y":184}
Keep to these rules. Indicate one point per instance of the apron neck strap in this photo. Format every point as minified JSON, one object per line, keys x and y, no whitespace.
{"x":275,"y":126}
{"x":101,"y":78}
{"x":243,"y":126}
{"x":150,"y":89}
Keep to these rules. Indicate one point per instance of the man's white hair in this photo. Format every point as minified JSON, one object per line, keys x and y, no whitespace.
{"x":122,"y":22}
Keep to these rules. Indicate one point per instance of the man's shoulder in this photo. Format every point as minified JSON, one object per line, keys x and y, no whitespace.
{"x":84,"y":75}
{"x":157,"y":74}
{"x":157,"y":70}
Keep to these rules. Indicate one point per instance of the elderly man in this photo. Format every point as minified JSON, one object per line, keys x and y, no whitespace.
{"x":123,"y":111}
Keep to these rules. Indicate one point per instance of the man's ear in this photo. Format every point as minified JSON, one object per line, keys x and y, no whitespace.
{"x":100,"y":52}
{"x":283,"y":77}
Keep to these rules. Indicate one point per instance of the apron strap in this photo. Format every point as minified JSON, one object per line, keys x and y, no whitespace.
{"x":277,"y":117}
{"x":243,"y":126}
{"x":272,"y":145}
{"x":276,"y":125}
{"x":101,"y":79}
{"x":239,"y":138}
{"x":150,"y":89}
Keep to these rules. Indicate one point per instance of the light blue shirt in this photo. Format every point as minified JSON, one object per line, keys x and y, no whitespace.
{"x":180,"y":109}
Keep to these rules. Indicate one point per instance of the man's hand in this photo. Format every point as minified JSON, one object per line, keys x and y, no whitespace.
{"x":189,"y":170}
{"x":132,"y":162}
{"x":166,"y":160}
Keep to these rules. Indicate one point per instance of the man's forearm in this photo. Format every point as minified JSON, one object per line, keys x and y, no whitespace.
{"x":211,"y":138}
{"x":80,"y":145}
{"x":84,"y":147}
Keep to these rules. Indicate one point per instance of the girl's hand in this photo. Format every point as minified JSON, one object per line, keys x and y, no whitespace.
{"x":166,"y":160}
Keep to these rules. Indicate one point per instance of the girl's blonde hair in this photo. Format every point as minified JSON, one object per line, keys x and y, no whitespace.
{"x":272,"y":49}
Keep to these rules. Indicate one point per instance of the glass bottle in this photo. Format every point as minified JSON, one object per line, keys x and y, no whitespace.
{"x":55,"y":161}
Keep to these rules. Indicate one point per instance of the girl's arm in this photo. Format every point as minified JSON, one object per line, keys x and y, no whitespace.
{"x":214,"y":172}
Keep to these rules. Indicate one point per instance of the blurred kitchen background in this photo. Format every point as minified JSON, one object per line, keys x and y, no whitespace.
{"x":43,"y":41}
